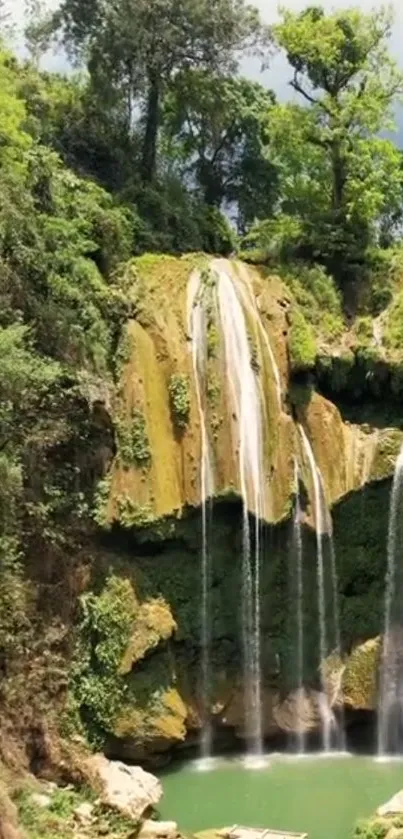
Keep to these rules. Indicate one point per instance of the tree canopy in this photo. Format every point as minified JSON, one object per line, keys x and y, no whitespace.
{"x":339,"y":177}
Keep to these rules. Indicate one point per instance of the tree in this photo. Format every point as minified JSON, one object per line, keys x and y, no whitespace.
{"x":135,"y":48}
{"x":337,"y":175}
{"x":217,"y":127}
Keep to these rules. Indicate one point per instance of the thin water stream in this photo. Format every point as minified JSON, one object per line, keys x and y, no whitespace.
{"x":198,"y":334}
{"x":390,"y":710}
{"x":332,"y":734}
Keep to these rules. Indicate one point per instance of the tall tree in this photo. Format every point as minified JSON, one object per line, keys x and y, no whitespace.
{"x":338,"y":175}
{"x":134,"y":48}
{"x":218,"y":126}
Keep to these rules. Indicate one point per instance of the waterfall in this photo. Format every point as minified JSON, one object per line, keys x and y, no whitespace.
{"x":297,"y":544}
{"x":390,"y":709}
{"x":197,"y":331}
{"x":323,"y":526}
{"x":247,"y":409}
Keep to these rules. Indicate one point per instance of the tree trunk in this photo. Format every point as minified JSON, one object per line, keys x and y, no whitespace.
{"x":149,"y":157}
{"x":339,"y":178}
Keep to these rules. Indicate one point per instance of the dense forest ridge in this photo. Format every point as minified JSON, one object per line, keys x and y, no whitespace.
{"x":170,"y":150}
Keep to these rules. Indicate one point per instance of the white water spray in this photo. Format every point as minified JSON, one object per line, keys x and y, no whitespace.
{"x":247,"y":409}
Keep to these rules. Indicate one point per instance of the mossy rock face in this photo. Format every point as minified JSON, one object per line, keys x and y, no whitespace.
{"x":156,"y":727}
{"x":154,"y":624}
{"x":360,"y":676}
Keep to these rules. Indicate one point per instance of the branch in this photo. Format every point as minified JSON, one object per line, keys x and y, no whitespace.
{"x":296,"y":85}
{"x":299,"y":89}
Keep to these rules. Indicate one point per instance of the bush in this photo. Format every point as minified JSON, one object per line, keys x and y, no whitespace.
{"x":393,"y":331}
{"x":319,"y":300}
{"x":301,"y":342}
{"x":179,"y":400}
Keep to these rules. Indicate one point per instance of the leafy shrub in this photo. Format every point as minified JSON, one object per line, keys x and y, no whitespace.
{"x":319,"y":300}
{"x":393,"y":331}
{"x":301,"y":342}
{"x":104,"y":632}
{"x":179,"y":398}
{"x":133,"y":444}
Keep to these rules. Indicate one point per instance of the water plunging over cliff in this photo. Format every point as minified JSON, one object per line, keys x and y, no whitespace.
{"x":297,"y":551}
{"x":197,"y":331}
{"x":329,"y":630}
{"x":247,"y":408}
{"x":390,"y":710}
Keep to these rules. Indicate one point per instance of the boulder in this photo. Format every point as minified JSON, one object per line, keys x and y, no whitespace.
{"x":128,"y":789}
{"x":394,"y":805}
{"x":158,"y":830}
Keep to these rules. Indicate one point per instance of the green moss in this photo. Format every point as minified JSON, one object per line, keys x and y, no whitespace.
{"x":300,"y":394}
{"x":124,"y":351}
{"x":101,"y":500}
{"x":132,"y":516}
{"x":393,"y":330}
{"x":301,"y":342}
{"x":363,"y":330}
{"x":254,"y":354}
{"x":213,"y":339}
{"x":335,"y":371}
{"x":372,"y":829}
{"x":179,"y":399}
{"x":213,"y":389}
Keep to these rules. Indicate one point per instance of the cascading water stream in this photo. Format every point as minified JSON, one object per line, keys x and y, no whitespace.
{"x":197,"y":331}
{"x":297,"y":544}
{"x":323,"y":528}
{"x":390,"y":708}
{"x":247,"y":409}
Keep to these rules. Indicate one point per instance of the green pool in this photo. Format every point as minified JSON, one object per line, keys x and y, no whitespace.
{"x":322,"y":796}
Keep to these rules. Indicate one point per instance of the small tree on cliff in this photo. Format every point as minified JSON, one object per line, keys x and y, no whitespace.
{"x":338,"y":177}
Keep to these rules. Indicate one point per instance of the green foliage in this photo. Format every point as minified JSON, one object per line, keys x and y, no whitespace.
{"x":393,"y":329}
{"x":179,"y":398}
{"x":57,"y":821}
{"x":104,"y":631}
{"x":216,"y":125}
{"x":317,"y":297}
{"x":132,"y":516}
{"x":156,"y":43}
{"x":337,"y":177}
{"x":133,"y":444}
{"x":301,"y":342}
{"x":363,"y":329}
{"x":371,"y":829}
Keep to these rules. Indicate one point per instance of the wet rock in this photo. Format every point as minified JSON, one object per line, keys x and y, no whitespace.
{"x":158,"y":830}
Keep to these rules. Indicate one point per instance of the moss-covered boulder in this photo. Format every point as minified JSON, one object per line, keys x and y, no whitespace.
{"x":360,"y":676}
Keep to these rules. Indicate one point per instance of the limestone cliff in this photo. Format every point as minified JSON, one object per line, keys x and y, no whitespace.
{"x":118,"y":588}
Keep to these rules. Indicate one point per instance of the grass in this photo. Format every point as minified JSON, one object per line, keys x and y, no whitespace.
{"x":58,"y":820}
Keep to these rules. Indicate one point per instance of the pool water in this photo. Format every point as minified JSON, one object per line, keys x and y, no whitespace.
{"x":322,"y":796}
